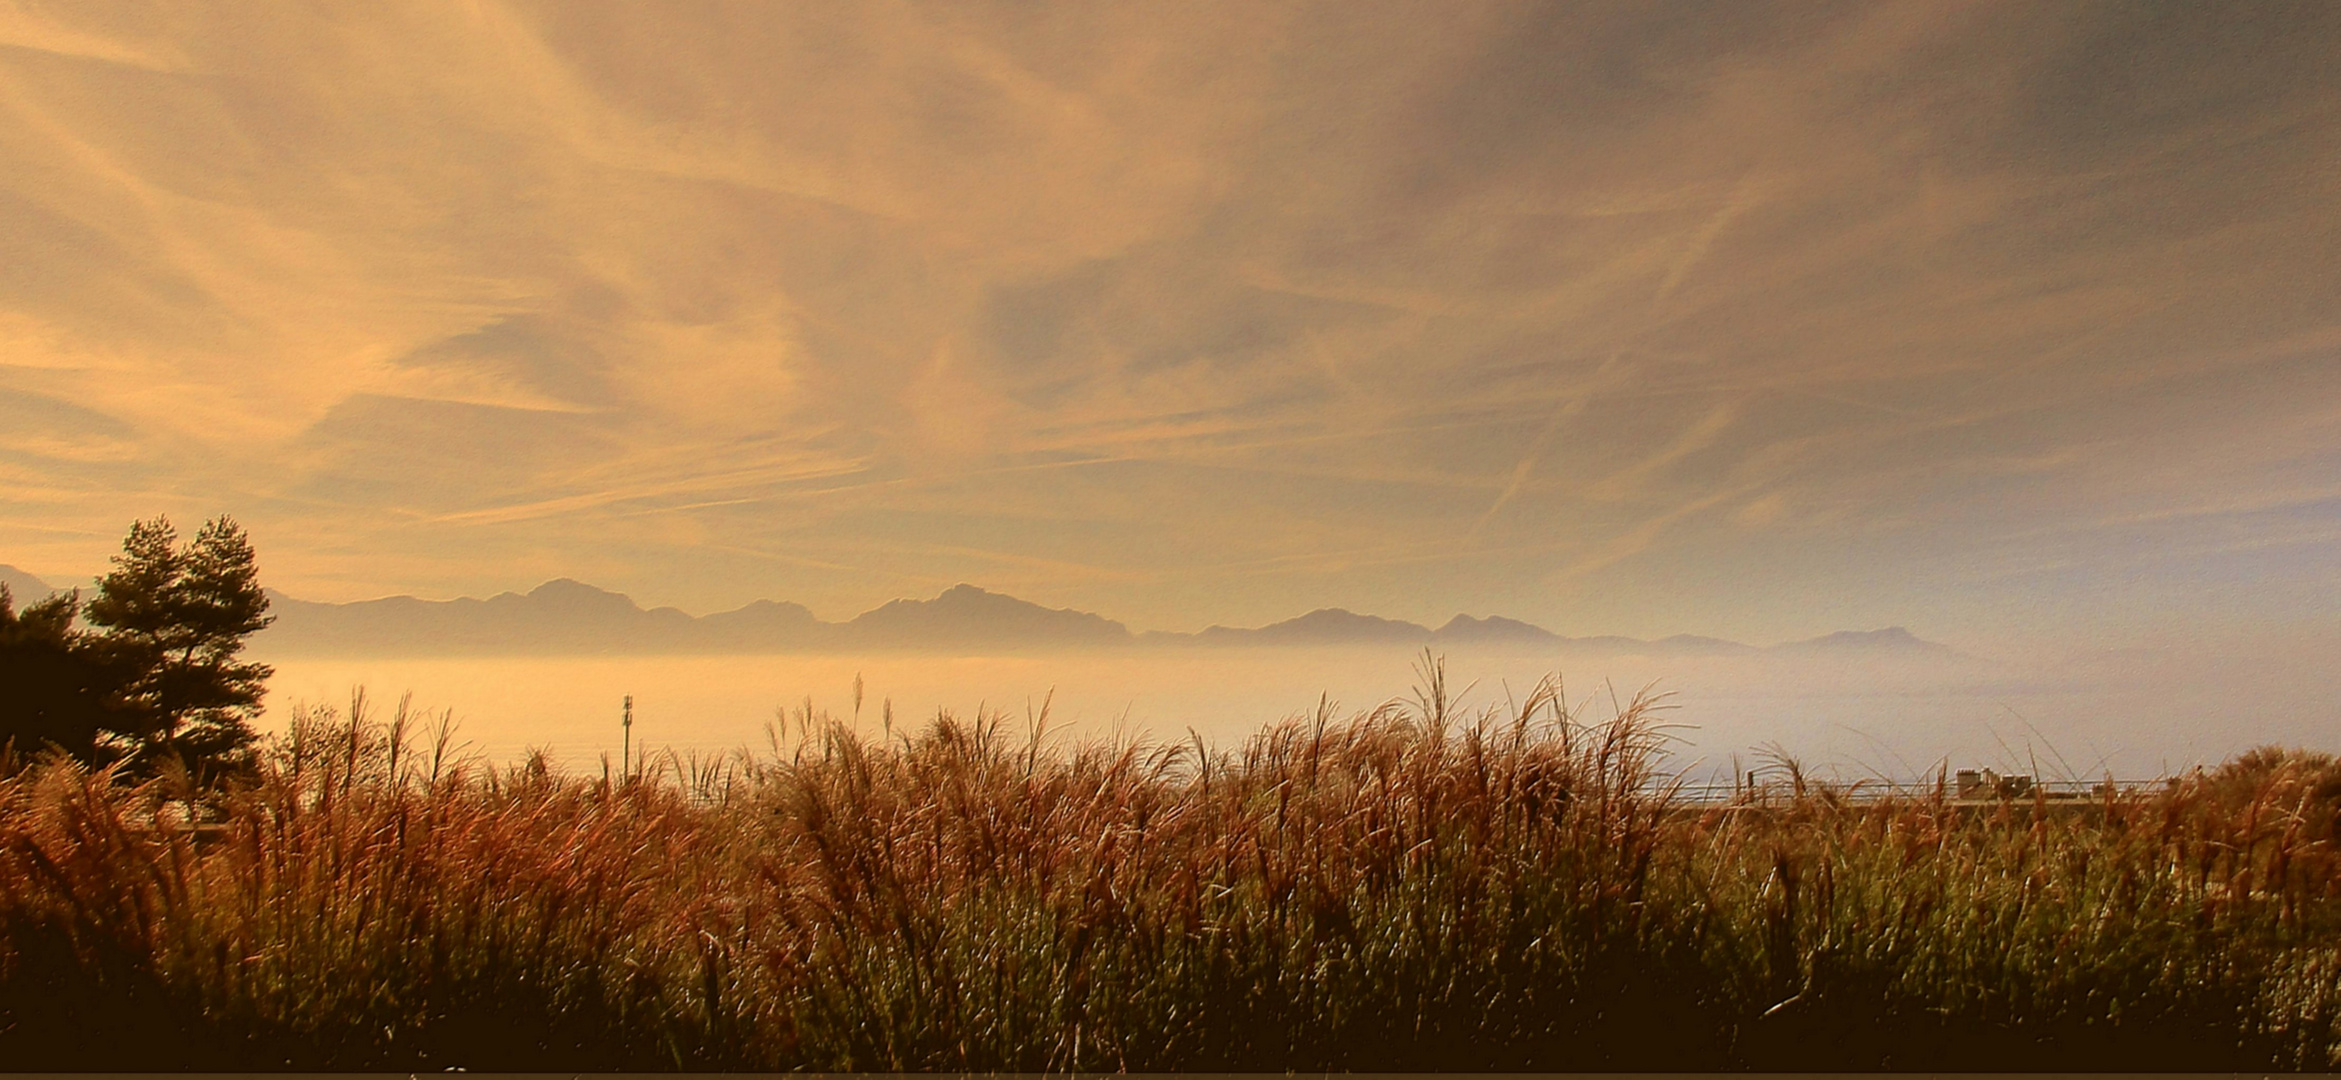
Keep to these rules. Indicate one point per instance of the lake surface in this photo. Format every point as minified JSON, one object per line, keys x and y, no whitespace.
{"x":2136,"y":714}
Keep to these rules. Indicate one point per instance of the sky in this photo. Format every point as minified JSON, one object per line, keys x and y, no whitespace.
{"x":2009,"y":323}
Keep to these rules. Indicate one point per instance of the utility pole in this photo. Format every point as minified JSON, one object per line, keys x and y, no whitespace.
{"x":626,"y":750}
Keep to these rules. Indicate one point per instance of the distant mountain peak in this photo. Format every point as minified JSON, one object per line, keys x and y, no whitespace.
{"x":1333,"y":616}
{"x":570,"y":595}
{"x":968,"y":596}
{"x":1892,"y":635}
{"x":24,"y":587}
{"x":1493,"y":628}
{"x":965,"y":615}
{"x":565,"y":584}
{"x":766,"y":605}
{"x":561,"y":587}
{"x":1892,"y":638}
{"x":1322,"y":626}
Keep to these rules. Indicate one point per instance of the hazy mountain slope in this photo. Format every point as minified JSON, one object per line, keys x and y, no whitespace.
{"x":566,"y":617}
{"x":764,"y":625}
{"x":968,"y":616}
{"x":1494,"y":628}
{"x":560,"y":616}
{"x":23,"y":586}
{"x":1893,"y":639}
{"x":1324,"y":626}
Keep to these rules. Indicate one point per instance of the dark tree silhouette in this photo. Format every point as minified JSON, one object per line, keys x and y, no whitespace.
{"x":56,"y":692}
{"x":174,"y":617}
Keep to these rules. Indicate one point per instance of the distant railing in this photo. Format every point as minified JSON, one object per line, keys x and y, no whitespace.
{"x":1985,"y":787}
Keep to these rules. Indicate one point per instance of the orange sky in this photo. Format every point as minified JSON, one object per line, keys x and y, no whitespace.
{"x":1996,"y":321}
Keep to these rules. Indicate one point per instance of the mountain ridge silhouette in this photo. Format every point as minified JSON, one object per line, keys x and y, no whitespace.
{"x":569,"y":617}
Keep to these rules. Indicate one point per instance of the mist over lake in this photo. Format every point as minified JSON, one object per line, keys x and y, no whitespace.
{"x":2134,"y":713}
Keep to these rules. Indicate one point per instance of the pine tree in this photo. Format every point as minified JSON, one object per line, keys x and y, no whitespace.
{"x":175,"y":617}
{"x":55,"y":692}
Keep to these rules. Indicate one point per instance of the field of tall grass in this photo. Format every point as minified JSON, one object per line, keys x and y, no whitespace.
{"x":1404,"y":889}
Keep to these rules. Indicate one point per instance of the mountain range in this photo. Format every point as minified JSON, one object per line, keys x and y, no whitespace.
{"x":570,"y":617}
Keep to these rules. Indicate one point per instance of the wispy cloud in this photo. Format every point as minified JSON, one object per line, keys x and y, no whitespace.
{"x":1540,"y":308}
